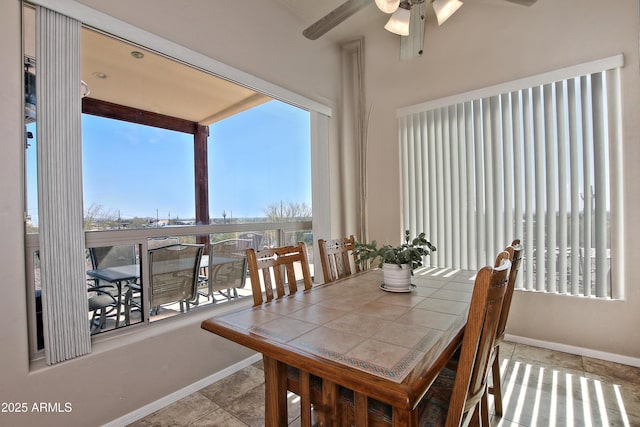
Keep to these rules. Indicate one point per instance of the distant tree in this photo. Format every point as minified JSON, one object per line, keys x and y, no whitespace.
{"x":137,"y":222}
{"x":96,"y":217}
{"x":287,"y":211}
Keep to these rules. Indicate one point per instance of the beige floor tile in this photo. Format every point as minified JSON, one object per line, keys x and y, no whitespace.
{"x":506,"y":349}
{"x":249,"y":408}
{"x":218,"y":418}
{"x":547,"y":357}
{"x":181,"y":413}
{"x":620,"y":396}
{"x":604,"y":368}
{"x":228,"y":389}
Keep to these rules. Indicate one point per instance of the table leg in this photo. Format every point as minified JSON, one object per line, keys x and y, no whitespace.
{"x":305,"y":399}
{"x":275,"y":399}
{"x":328,"y":412}
{"x":361,"y":409}
{"x":404,"y":417}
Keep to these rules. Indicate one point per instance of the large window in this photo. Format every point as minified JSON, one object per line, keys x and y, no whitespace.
{"x":171,"y":155}
{"x":536,"y":160}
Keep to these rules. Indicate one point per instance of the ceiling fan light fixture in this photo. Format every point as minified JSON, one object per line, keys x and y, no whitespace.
{"x":399,"y":21}
{"x":445,"y":8}
{"x":388,"y":6}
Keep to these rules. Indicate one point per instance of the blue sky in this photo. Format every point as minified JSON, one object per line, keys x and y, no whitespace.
{"x":256,"y":158}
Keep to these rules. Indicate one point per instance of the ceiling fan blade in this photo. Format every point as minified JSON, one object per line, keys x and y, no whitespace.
{"x":333,"y":18}
{"x":523,"y":2}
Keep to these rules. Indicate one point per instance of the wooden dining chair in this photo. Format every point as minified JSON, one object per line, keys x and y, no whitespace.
{"x":277,"y":267}
{"x":515,"y":252}
{"x":335,"y":256}
{"x":456,"y":397}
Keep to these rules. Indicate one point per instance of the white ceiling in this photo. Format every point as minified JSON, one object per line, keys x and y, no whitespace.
{"x":309,"y":11}
{"x":153,"y":83}
{"x":159,"y":84}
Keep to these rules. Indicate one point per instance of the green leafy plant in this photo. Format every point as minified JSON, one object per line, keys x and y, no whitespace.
{"x":411,"y":252}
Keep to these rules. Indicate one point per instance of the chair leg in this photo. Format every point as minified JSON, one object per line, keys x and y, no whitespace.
{"x":103,"y":318}
{"x":127,"y":307}
{"x":474,"y":418}
{"x":497,"y":386}
{"x":484,"y":410}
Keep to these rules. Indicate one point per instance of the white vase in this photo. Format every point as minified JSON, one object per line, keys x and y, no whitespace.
{"x":396,"y":276}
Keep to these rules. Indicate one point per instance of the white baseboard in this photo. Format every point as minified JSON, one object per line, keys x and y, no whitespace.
{"x":580,"y":351}
{"x":183,"y":392}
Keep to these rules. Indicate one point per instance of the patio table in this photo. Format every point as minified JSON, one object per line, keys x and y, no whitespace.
{"x":131,"y":273}
{"x":352,"y":333}
{"x":117,"y":275}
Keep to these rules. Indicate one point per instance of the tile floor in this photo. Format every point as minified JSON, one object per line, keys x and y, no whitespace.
{"x":540,"y":388}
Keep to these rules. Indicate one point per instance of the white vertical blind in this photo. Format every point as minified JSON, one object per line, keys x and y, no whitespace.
{"x":614,"y":133}
{"x":64,"y":289}
{"x":562,"y":185}
{"x":531,"y":163}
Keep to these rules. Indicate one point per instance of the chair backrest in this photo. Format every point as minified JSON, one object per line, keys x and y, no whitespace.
{"x":479,"y":335}
{"x":173,"y":273}
{"x":277,"y":267}
{"x":112,"y":256}
{"x":160,"y":242}
{"x":231,"y":248}
{"x":228,"y":275}
{"x":515,"y":252}
{"x":335,"y":256}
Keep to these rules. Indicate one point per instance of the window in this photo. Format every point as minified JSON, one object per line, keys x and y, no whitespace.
{"x":535,"y":159}
{"x":146,"y":178}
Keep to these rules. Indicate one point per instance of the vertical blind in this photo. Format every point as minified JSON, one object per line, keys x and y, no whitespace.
{"x":538,"y":160}
{"x":64,"y":289}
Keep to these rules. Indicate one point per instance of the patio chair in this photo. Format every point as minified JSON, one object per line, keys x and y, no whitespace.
{"x":160,"y":242}
{"x":515,"y":252}
{"x":456,"y":397}
{"x":227,"y":277}
{"x":173,"y":274}
{"x":173,"y":277}
{"x":231,"y":248}
{"x":101,"y":304}
{"x":104,"y":295}
{"x":335,"y":257}
{"x":112,"y":256}
{"x":224,"y":270}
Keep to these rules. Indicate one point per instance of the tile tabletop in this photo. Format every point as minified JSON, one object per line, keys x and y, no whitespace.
{"x":354,"y":322}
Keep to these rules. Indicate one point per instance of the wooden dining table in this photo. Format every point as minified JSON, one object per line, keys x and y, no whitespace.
{"x":389,"y":346}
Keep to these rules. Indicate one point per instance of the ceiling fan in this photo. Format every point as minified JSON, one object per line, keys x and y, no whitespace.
{"x":407,"y":19}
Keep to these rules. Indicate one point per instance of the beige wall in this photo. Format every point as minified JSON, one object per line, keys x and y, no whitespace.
{"x":489,"y":42}
{"x":486,"y":42}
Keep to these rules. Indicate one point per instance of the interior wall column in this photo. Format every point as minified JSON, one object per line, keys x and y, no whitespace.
{"x":353,"y":143}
